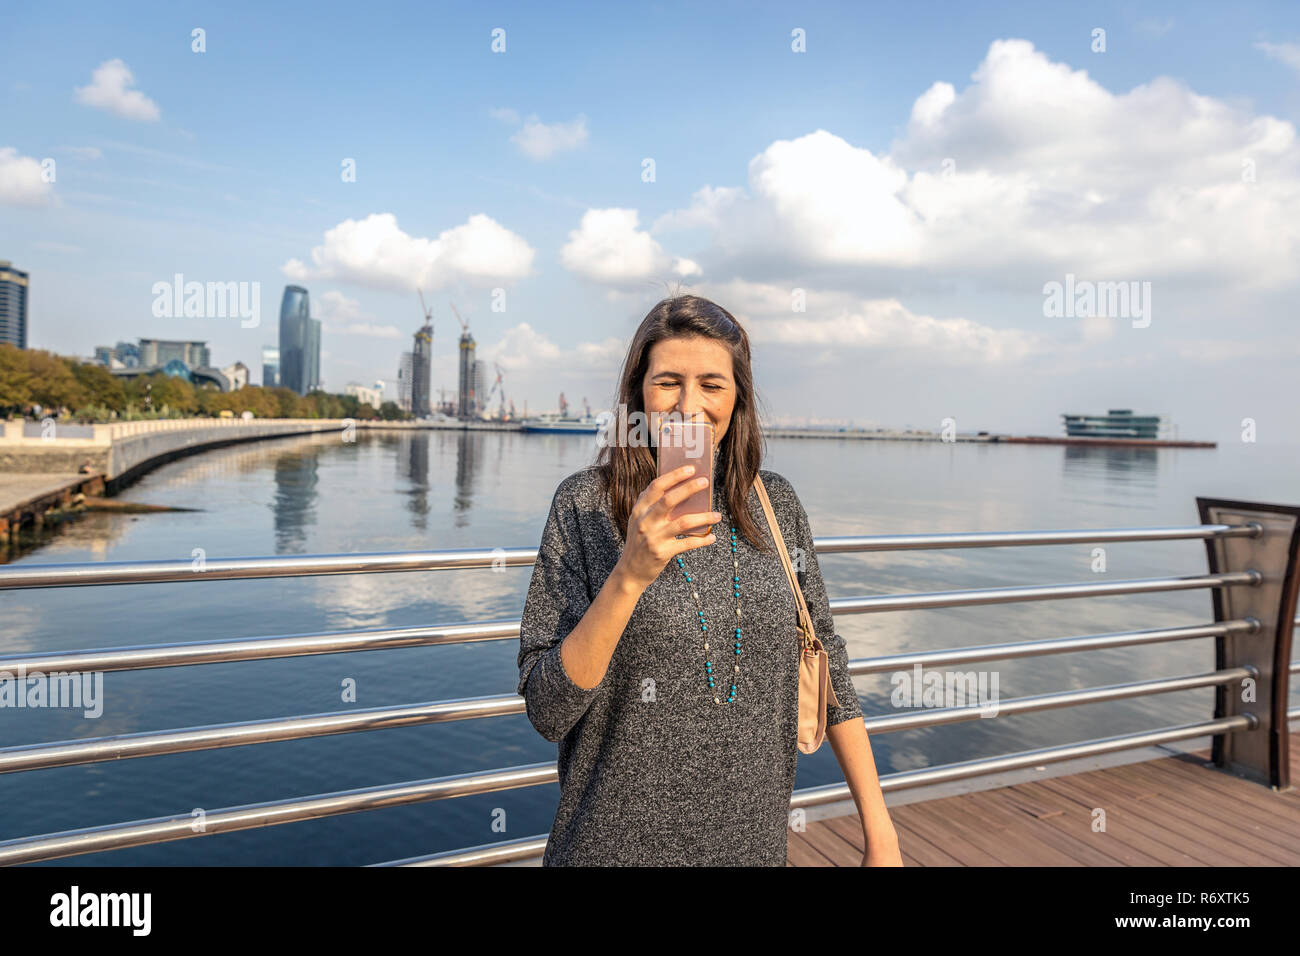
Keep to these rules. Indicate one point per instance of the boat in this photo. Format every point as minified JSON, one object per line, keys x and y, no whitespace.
{"x":554,"y":423}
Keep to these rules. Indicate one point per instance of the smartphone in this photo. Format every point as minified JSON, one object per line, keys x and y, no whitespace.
{"x":689,"y":443}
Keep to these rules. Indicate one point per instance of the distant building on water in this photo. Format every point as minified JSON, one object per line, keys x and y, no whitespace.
{"x":1116,"y":423}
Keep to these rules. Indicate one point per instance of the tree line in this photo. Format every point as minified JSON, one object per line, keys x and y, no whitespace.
{"x":65,"y":387}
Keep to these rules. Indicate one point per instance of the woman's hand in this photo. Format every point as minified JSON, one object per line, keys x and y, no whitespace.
{"x":652,"y":537}
{"x":879,"y":854}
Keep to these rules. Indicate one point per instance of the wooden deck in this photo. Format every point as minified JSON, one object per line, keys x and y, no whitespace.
{"x":1172,"y":811}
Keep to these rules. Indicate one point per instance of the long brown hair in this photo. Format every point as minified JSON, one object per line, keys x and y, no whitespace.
{"x":626,"y":469}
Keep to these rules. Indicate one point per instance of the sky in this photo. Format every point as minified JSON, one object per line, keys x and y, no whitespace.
{"x":882,"y":194}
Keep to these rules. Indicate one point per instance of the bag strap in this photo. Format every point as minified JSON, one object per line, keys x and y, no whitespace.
{"x":807,"y":634}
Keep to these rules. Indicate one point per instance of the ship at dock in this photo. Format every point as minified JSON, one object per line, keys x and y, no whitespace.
{"x":562,"y":421}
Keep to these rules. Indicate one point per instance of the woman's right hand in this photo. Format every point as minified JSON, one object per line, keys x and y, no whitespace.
{"x":652,"y":536}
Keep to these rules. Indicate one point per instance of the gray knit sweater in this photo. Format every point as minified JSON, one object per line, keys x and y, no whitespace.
{"x":652,"y":771}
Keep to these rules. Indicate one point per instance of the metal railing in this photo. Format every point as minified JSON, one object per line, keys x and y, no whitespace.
{"x":1265,"y":524}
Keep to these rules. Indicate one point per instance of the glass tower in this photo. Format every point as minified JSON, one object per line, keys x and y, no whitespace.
{"x":13,"y":305}
{"x":299,"y":342}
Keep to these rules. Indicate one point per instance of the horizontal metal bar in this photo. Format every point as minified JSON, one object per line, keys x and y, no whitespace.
{"x":1003,"y":539}
{"x":182,"y":653}
{"x":66,"y":753}
{"x":280,"y":566}
{"x":226,"y":569}
{"x":513,"y":850}
{"x":1013,"y":650}
{"x":116,"y":836}
{"x":1038,"y":592}
{"x":145,"y":656}
{"x":933,"y":717}
{"x":246,"y":733}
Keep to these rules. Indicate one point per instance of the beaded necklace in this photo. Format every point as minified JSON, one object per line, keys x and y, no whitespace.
{"x":704,"y":626}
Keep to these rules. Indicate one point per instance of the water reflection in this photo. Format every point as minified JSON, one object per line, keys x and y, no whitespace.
{"x":296,"y":492}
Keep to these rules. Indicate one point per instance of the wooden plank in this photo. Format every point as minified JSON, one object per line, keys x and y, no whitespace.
{"x":964,"y":827}
{"x":911,"y":844}
{"x":1281,"y":810}
{"x":849,"y":827}
{"x":1014,"y":830}
{"x":1199,"y":842}
{"x":965,"y":852}
{"x":1127,"y":831}
{"x":1034,"y":807}
{"x":1126,"y":850}
{"x":1231,"y":812}
{"x":1072,"y":837}
{"x":802,"y":853}
{"x":923,"y":850}
{"x":1215,"y":814}
{"x":831,"y":845}
{"x":1172,"y":811}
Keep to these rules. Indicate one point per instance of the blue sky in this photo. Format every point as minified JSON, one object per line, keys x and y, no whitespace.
{"x":920,"y":171}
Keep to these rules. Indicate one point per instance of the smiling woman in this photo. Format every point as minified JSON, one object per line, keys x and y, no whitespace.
{"x":674,"y":696}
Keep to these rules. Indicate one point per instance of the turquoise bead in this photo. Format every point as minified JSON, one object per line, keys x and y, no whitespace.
{"x":708,"y":665}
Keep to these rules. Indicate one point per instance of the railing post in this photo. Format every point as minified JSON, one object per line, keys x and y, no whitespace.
{"x":1261,"y":754}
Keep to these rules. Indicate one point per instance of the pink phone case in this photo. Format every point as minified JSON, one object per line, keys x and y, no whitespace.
{"x":689,"y":443}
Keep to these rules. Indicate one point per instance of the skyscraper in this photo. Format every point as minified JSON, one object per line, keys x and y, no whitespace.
{"x":480,"y":387}
{"x":299,"y":342}
{"x":468,"y":394}
{"x":404,"y":381}
{"x":421,"y":371}
{"x":13,"y":305}
{"x":270,"y":366}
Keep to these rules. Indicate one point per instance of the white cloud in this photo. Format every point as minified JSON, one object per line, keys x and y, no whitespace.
{"x":1032,"y":170}
{"x":845,"y":322}
{"x":375,"y":252}
{"x":345,"y":316}
{"x":608,"y":248}
{"x":21,"y":183}
{"x":524,"y":349}
{"x":1288,"y":53}
{"x":540,"y":140}
{"x":505,"y":115}
{"x":108,"y":90}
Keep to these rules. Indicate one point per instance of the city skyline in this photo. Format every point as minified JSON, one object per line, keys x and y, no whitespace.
{"x":882,"y":204}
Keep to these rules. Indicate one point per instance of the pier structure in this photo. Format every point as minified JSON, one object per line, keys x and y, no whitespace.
{"x":1233,"y":803}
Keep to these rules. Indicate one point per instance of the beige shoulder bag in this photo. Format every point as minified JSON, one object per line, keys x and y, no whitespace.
{"x":815,"y":688}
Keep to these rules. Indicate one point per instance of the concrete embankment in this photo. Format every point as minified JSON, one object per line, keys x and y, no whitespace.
{"x":120,"y":450}
{"x":47,"y":467}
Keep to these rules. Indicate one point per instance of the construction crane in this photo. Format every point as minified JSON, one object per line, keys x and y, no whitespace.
{"x":464,"y":326}
{"x":428,"y":312}
{"x":497,"y":386}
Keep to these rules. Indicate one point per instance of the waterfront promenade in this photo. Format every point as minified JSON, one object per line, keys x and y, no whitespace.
{"x":1174,"y":810}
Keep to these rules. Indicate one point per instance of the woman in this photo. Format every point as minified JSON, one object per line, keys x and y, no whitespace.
{"x":659,"y":762}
